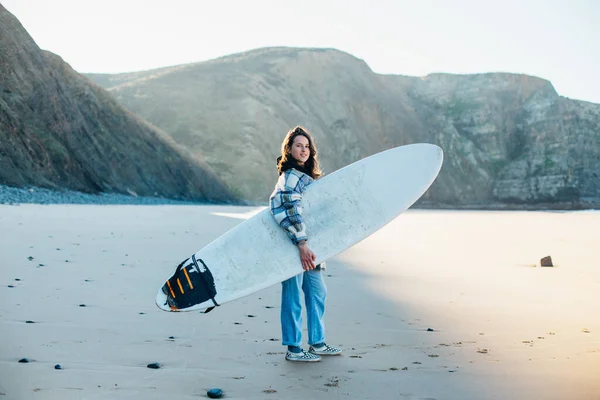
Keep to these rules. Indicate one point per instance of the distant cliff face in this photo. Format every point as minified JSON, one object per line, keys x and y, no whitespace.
{"x":58,"y":129}
{"x":508,"y":139}
{"x":237,"y":109}
{"x":512,"y":139}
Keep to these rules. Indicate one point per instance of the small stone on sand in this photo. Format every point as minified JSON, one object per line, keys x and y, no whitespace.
{"x":546,"y":262}
{"x":215,"y":393}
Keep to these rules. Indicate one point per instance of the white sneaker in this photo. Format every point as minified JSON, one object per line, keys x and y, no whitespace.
{"x":325,"y":350}
{"x":304,"y":356}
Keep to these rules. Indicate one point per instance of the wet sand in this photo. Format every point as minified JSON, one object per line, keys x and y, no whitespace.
{"x":437,"y":305}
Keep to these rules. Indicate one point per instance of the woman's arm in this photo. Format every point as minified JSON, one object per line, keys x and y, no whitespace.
{"x":286,"y":207}
{"x":306,"y":256}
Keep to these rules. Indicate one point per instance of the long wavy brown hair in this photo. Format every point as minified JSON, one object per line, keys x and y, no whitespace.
{"x":311,"y":166}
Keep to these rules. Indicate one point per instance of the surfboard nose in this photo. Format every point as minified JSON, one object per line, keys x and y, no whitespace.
{"x":438,"y":151}
{"x":433,"y":150}
{"x":428,"y":152}
{"x":398,"y":177}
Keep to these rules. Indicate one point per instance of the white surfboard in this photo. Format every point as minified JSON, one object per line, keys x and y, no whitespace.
{"x":339,"y":210}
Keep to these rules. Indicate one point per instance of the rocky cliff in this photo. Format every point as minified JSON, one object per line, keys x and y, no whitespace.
{"x":509,"y":139}
{"x":237,"y":109}
{"x":60,"y":130}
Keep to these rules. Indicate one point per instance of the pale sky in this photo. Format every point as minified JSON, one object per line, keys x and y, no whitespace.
{"x":558,"y":40}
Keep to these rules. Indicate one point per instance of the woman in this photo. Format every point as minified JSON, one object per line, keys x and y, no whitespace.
{"x":298,"y":167}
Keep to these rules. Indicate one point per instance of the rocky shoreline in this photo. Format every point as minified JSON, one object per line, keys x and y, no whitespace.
{"x":559,"y":206}
{"x":36,"y":195}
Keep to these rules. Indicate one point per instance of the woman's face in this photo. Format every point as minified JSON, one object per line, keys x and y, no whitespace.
{"x":300,"y":149}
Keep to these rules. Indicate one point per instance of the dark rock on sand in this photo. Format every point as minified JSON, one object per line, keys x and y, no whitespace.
{"x":546,"y":262}
{"x":215,"y":393}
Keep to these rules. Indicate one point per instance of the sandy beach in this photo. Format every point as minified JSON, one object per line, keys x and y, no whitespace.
{"x":437,"y":305}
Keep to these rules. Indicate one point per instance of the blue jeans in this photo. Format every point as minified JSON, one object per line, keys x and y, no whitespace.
{"x":315,"y":292}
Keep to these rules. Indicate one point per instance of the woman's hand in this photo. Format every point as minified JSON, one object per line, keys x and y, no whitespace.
{"x":306,"y":256}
